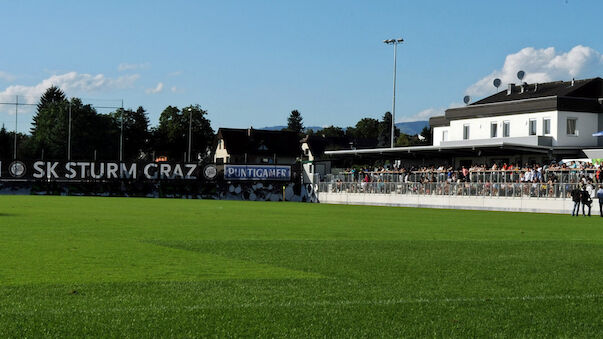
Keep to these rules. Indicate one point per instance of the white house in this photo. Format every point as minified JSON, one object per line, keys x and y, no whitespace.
{"x":559,"y":117}
{"x":525,"y":123}
{"x":565,"y":113}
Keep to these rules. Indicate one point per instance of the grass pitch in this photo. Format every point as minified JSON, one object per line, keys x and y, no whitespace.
{"x":78,"y":266}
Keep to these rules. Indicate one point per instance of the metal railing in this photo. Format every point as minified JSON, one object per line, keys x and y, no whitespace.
{"x":470,"y":189}
{"x":474,"y":176}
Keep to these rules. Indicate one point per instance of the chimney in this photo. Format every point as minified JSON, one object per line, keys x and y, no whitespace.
{"x":249,"y":131}
{"x":573,"y":82}
{"x":510,"y":89}
{"x":536,"y":87}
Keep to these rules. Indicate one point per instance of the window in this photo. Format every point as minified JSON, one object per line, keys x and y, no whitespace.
{"x":546,"y":126}
{"x":445,"y":136}
{"x":571,"y":126}
{"x":506,"y":129}
{"x":493,"y":130}
{"x":465,"y":132}
{"x":532,"y":126}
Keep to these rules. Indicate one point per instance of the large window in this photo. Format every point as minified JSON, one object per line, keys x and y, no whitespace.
{"x":571,"y":126}
{"x":506,"y":129}
{"x":465,"y":132}
{"x":532,"y":126}
{"x":493,"y":130}
{"x":546,"y":126}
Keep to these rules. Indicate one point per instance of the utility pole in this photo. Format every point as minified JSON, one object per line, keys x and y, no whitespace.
{"x":121,"y":134}
{"x":16,"y":118}
{"x":190,"y":129}
{"x":69,"y":135}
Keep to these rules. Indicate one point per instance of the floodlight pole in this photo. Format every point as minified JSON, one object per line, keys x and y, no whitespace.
{"x":121,"y":134}
{"x":394,"y":42}
{"x":16,"y":114}
{"x":190,"y":129}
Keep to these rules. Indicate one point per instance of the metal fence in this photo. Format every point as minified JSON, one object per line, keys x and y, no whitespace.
{"x":470,"y":189}
{"x":482,"y":176}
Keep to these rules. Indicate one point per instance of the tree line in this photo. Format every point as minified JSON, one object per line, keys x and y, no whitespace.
{"x":96,"y":136}
{"x":367,"y":133}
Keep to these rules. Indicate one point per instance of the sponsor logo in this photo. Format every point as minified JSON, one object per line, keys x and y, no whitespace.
{"x":17,"y":169}
{"x":210,"y":172}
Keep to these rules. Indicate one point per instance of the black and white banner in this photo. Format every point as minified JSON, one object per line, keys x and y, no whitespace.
{"x":91,"y":170}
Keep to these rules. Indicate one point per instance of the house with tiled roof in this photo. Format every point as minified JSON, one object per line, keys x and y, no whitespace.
{"x":254,"y":146}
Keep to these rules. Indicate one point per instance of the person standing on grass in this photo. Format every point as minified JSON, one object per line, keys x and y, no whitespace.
{"x":586,"y":200}
{"x":600,"y":196}
{"x":576,"y":199}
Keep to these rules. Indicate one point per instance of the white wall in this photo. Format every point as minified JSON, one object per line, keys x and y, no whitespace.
{"x":535,"y":205}
{"x":221,"y":151}
{"x":479,"y":128}
{"x":438,"y":134}
{"x":586,"y":125}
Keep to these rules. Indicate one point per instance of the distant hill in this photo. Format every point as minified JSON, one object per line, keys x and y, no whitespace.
{"x":278,"y":128}
{"x":410,"y":128}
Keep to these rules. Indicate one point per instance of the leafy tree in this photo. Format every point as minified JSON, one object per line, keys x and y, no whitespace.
{"x":367,"y":128}
{"x":332,"y":131}
{"x":403,"y":140}
{"x":427,"y":134}
{"x":6,"y":150}
{"x":92,"y":134}
{"x":49,"y":125}
{"x":385,"y":131}
{"x":136,"y":132}
{"x":171,"y":136}
{"x":294,"y":122}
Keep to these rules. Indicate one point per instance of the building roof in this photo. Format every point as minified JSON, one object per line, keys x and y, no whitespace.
{"x":319,"y":144}
{"x":483,"y":148}
{"x":586,"y":88}
{"x":576,"y":96}
{"x":261,"y":142}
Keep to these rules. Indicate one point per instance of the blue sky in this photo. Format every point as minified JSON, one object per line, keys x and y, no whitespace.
{"x":249,"y":63}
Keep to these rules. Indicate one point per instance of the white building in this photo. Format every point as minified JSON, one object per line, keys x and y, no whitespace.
{"x":559,"y":117}
{"x":527,"y":123}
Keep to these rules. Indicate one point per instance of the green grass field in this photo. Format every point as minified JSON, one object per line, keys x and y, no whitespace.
{"x":83,"y":266}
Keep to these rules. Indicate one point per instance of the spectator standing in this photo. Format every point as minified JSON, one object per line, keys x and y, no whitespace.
{"x":586,"y":200}
{"x":576,"y":199}
{"x":600,"y":196}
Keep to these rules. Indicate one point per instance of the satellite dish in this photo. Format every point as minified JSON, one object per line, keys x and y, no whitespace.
{"x":466,"y":99}
{"x":520,"y":75}
{"x":497,"y":83}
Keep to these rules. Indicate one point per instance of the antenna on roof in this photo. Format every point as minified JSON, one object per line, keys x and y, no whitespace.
{"x":496,"y":83}
{"x":520,"y":75}
{"x":466,"y":99}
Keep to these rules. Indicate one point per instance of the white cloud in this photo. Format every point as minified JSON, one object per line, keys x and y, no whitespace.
{"x":6,"y":76}
{"x":174,"y":89}
{"x":155,"y":90}
{"x":71,"y":82}
{"x":542,"y":65}
{"x":128,"y":67}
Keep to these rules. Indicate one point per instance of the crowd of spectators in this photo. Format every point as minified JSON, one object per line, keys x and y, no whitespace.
{"x":572,"y":172}
{"x":550,"y":180}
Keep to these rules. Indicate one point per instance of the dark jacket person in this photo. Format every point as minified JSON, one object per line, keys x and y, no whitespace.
{"x":576,"y":199}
